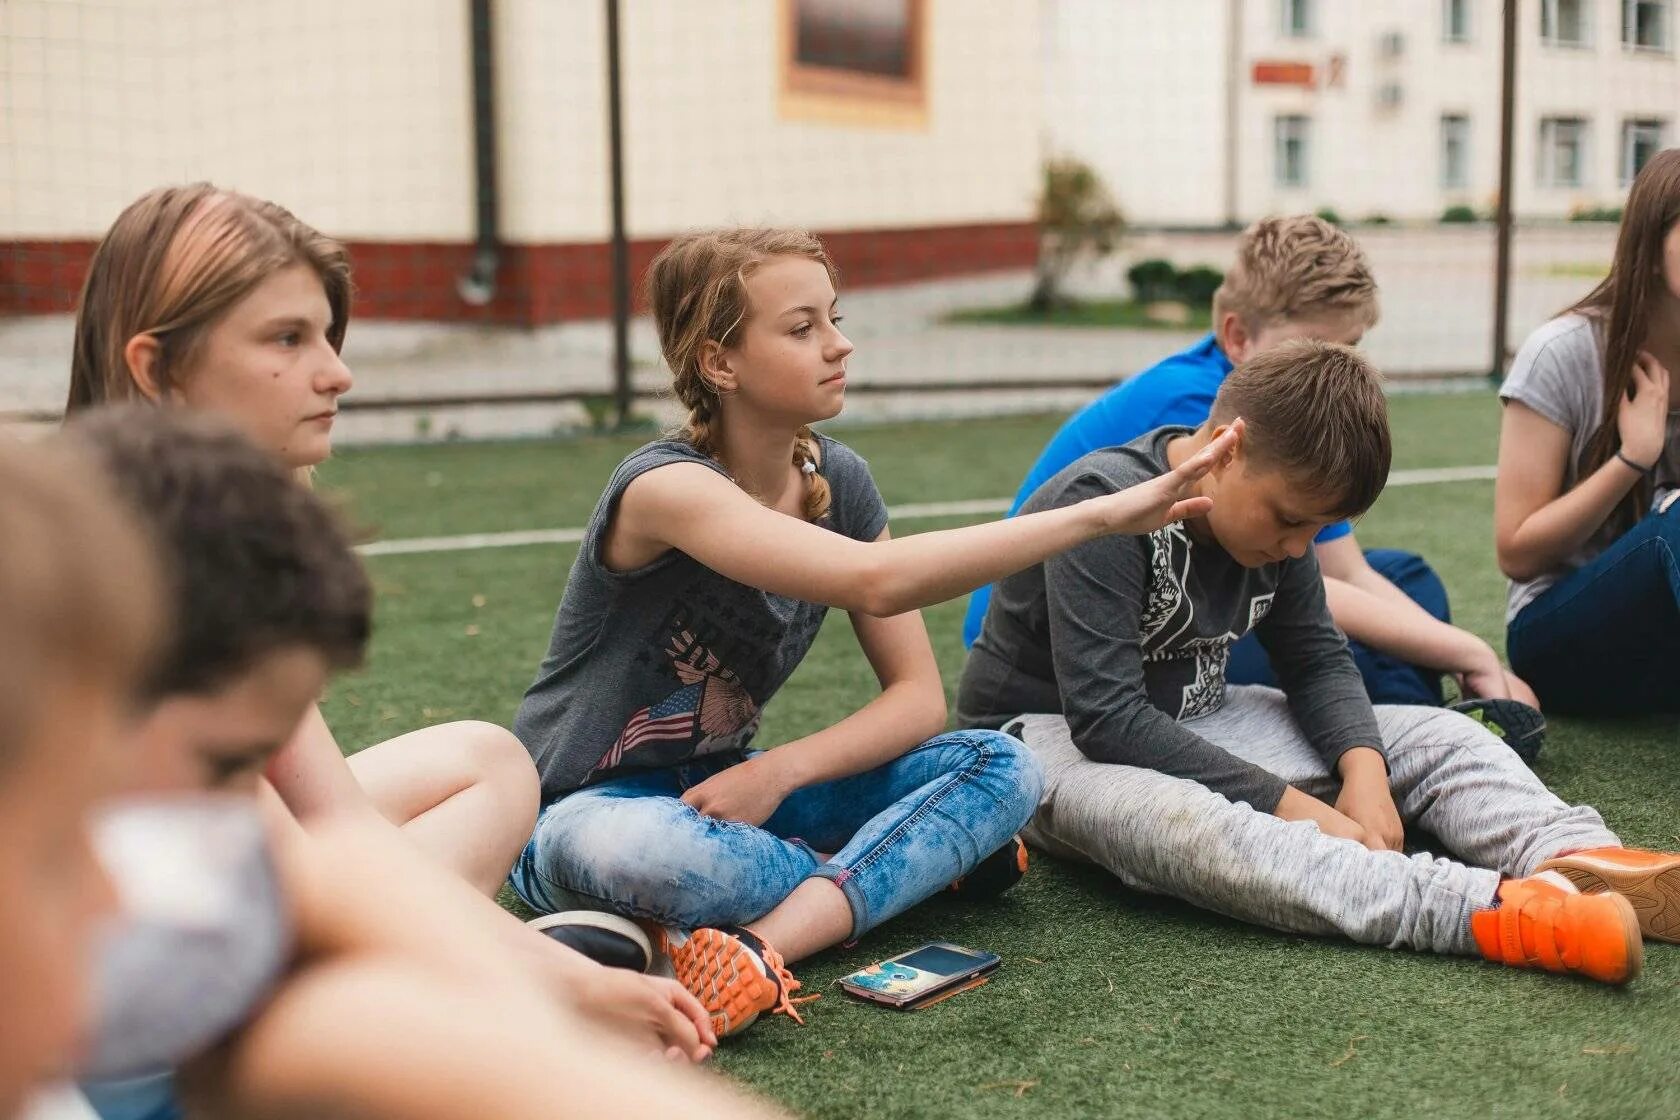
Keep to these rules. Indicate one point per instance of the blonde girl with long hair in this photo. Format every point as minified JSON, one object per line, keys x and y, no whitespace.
{"x":706,"y":570}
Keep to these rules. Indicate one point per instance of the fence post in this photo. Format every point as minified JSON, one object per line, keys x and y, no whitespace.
{"x":1507,"y":137}
{"x":620,"y":244}
{"x":478,"y":286}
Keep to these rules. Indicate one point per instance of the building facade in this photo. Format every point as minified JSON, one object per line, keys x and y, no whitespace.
{"x":1207,"y":112}
{"x":906,"y":131}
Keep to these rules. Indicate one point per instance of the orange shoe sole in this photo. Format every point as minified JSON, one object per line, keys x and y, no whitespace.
{"x":725,"y":977}
{"x":1653,"y":890}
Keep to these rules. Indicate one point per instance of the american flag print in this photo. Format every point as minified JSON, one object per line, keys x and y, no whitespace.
{"x":671,"y":720}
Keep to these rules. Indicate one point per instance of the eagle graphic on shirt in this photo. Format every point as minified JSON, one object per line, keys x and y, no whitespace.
{"x":711,"y":710}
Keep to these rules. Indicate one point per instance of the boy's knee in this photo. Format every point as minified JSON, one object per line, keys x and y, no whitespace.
{"x":1441,"y":730}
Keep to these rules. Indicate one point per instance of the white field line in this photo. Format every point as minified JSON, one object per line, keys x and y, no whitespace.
{"x":468,"y":542}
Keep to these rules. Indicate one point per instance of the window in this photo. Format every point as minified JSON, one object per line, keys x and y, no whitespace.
{"x":1563,"y":152}
{"x":1455,"y":151}
{"x":1455,"y":21}
{"x":858,"y":61}
{"x":1641,"y":139}
{"x":1645,"y":24}
{"x":1566,"y":23}
{"x":1297,"y":19}
{"x":1292,"y":137}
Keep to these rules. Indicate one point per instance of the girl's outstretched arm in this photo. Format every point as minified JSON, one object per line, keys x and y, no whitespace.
{"x":695,"y":510}
{"x":909,"y":710}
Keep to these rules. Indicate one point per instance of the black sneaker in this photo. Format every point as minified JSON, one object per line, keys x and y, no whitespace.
{"x":994,"y":874}
{"x":604,"y":938}
{"x":1523,"y":728}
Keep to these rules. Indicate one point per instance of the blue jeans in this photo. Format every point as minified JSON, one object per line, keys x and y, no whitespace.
{"x":1388,"y":680}
{"x":1606,"y":638}
{"x":899,"y":833}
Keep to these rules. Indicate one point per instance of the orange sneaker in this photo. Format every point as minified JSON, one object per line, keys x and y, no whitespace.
{"x":1649,"y":880}
{"x":1541,"y":925}
{"x":734,"y":974}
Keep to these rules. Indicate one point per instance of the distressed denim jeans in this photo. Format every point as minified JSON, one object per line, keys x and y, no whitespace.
{"x":898,"y":833}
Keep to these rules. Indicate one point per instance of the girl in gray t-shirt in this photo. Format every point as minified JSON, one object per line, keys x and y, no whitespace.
{"x":703,"y":578}
{"x":1585,"y":516}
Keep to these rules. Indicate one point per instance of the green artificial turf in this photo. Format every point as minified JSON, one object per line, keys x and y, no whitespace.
{"x":1109,"y":1003}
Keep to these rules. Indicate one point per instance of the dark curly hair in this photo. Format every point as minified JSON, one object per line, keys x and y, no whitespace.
{"x":253,"y":562}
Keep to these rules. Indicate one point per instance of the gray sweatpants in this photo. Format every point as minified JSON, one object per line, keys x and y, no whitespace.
{"x":1172,"y":836}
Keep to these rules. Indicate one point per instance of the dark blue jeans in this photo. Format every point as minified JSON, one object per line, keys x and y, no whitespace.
{"x":1605,"y":640}
{"x":1388,"y":680}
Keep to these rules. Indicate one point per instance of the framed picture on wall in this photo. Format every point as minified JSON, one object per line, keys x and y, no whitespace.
{"x":862,"y":59}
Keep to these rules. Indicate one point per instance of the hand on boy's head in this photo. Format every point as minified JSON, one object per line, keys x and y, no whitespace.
{"x":1173,"y":496}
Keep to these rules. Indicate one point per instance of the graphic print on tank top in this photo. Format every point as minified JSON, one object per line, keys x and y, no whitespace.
{"x":711,"y":710}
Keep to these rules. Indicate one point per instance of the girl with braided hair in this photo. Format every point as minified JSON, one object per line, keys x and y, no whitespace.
{"x":704,"y":575}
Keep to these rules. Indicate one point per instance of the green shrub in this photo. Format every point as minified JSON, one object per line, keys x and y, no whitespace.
{"x":1596,"y":214}
{"x":1152,"y":280}
{"x":1328,"y":213}
{"x":1197,"y":285}
{"x":1458,"y":213}
{"x":1379,"y":219}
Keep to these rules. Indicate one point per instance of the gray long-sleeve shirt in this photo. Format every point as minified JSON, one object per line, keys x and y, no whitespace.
{"x":1129,"y":636}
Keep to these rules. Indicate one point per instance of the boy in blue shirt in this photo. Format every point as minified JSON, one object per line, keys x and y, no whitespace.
{"x":1300,"y":277}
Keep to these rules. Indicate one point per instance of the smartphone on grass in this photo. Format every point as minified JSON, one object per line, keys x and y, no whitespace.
{"x":922,"y":976}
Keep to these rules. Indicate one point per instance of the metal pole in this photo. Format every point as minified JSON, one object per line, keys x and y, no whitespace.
{"x":478,"y":287}
{"x":1233,"y":88}
{"x":1507,"y":153}
{"x":622,"y":397}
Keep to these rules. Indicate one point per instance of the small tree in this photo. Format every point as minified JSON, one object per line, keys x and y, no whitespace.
{"x":1076,"y":217}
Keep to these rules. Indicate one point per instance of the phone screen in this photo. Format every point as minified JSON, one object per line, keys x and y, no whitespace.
{"x":936,"y":959}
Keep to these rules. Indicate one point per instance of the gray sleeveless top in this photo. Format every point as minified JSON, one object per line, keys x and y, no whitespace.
{"x":650,"y":668}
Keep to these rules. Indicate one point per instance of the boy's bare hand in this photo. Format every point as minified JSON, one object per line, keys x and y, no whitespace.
{"x":1297,"y":806}
{"x":1367,"y":800}
{"x":1161,"y":501}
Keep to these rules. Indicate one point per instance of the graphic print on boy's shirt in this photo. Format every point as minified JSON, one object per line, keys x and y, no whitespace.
{"x":1168,"y":613}
{"x":1129,"y":638}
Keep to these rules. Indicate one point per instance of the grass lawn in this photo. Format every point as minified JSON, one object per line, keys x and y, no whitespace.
{"x":1084,"y":313}
{"x":1109,"y":1003}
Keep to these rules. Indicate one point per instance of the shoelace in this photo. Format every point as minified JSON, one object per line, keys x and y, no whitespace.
{"x":785,"y":985}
